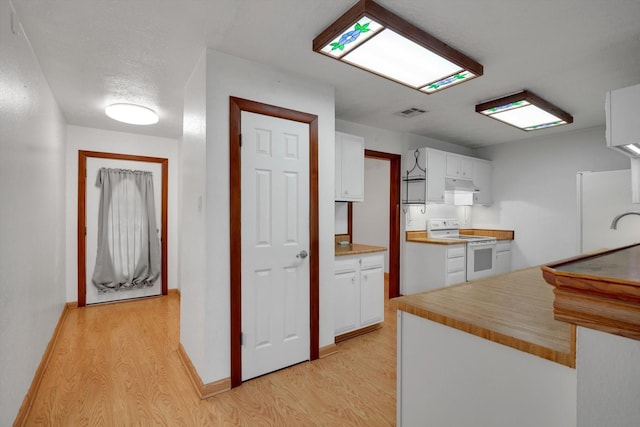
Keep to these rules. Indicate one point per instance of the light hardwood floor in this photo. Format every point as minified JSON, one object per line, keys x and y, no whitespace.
{"x":118,"y":364}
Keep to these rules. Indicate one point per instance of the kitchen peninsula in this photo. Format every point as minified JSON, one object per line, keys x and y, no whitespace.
{"x":486,"y":353}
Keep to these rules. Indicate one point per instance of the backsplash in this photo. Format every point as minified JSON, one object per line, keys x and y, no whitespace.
{"x":416,"y":216}
{"x":342,"y":218}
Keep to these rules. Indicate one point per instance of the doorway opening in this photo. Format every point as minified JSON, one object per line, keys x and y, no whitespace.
{"x":394,"y":178}
{"x":83,"y":157}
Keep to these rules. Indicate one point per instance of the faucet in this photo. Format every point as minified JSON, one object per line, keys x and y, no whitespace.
{"x":614,"y":223}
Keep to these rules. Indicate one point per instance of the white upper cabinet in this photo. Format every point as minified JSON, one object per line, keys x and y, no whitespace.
{"x":436,"y":168}
{"x":482,"y":179}
{"x":459,"y":167}
{"x":349,"y":168}
{"x":441,"y":165}
{"x":622,"y":111}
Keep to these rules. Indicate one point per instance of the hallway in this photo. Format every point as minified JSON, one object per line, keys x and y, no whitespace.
{"x":128,"y":373}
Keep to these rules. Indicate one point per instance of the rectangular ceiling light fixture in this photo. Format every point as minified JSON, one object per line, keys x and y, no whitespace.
{"x":525,"y":111}
{"x":370,"y":37}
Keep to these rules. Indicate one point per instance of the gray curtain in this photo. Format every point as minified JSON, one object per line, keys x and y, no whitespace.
{"x":128,"y":254}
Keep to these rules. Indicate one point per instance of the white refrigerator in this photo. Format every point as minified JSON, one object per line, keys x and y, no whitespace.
{"x":601,"y":197}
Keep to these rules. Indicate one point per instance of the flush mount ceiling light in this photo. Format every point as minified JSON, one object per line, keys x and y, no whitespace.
{"x":370,"y":37}
{"x":525,"y":111}
{"x":132,"y":114}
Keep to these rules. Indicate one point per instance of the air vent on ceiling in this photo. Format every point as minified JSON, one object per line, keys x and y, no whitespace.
{"x":410,"y":112}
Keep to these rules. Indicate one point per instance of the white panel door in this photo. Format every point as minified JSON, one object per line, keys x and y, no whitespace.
{"x":275,"y":231}
{"x":92,"y":204}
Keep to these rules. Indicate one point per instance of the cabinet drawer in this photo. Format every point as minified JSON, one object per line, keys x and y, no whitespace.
{"x":455,"y":278}
{"x":455,"y":264}
{"x":503,"y":246}
{"x":372,"y":261}
{"x":346,"y":266}
{"x":455,"y":252}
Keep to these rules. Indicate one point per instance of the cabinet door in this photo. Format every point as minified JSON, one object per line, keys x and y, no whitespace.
{"x":351,"y":163}
{"x":436,"y":165}
{"x":455,"y":278}
{"x":623,"y":126}
{"x":466,"y":167}
{"x":454,"y":166}
{"x":371,"y":296}
{"x":482,"y":178}
{"x":503,"y":257}
{"x":346,"y":296}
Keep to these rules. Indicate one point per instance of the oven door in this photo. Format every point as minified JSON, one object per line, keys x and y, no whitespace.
{"x":481,"y":260}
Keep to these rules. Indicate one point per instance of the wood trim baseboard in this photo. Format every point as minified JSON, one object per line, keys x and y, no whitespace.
{"x":216,"y":387}
{"x":328,"y":350}
{"x":357,"y":332}
{"x":25,"y":408}
{"x":203,"y":390}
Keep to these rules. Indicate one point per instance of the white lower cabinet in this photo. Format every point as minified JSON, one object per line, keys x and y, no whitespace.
{"x":430,"y":266}
{"x":358,"y":292}
{"x":456,"y":265}
{"x":503,"y":257}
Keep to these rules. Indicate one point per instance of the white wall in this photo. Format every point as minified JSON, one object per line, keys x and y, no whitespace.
{"x":418,"y":141}
{"x":534,"y":191}
{"x":389,"y":141}
{"x":82,"y":138}
{"x":32,"y":162}
{"x":371,"y":217}
{"x":376,"y":139}
{"x":231,"y":76}
{"x":608,"y":380}
{"x":193,"y":256}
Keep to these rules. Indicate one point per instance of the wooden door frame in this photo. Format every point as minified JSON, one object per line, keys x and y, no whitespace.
{"x":82,"y":214}
{"x":395,"y":165}
{"x":236,"y":106}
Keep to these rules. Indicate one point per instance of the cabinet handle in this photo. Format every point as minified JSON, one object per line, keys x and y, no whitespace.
{"x":353,"y":280}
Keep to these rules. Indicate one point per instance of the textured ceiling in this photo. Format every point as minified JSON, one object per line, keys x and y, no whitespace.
{"x":570,"y":52}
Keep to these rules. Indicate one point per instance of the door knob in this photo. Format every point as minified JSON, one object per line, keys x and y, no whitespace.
{"x":303,"y":254}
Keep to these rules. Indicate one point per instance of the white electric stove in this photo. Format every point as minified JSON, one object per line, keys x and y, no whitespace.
{"x":481,"y":250}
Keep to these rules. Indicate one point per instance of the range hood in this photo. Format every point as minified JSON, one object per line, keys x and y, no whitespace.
{"x":460,"y":185}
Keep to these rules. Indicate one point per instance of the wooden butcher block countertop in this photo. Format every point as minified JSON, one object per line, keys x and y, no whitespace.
{"x":421,"y":236}
{"x":357,"y":249}
{"x":513,"y":309}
